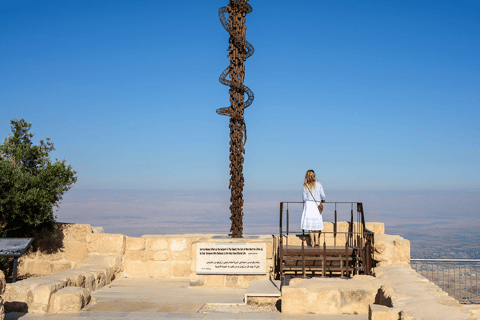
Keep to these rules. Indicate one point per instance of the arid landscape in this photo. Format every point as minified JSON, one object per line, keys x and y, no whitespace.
{"x":439,"y":224}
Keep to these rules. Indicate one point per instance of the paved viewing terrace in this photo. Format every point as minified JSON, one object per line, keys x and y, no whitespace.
{"x":166,"y":299}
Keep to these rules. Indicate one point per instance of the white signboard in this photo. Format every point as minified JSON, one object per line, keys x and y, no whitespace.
{"x":231,"y":258}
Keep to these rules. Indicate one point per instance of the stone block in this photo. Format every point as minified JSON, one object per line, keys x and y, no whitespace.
{"x":391,"y":249}
{"x":379,"y":312}
{"x":100,"y":279}
{"x":18,"y":292}
{"x":263,"y":301}
{"x":70,"y":299}
{"x":180,"y":249}
{"x":376,"y":227}
{"x":156,"y":244}
{"x":193,"y":250}
{"x":38,"y":308}
{"x":231,"y":281}
{"x":30,"y":254}
{"x":181,"y":269}
{"x":159,"y":256}
{"x":193,"y":266}
{"x":196,"y":280}
{"x":58,"y":266}
{"x":135,"y":256}
{"x":73,"y":278}
{"x":135,"y":244}
{"x":103,"y":260}
{"x":342,"y":226}
{"x":43,"y":291}
{"x":78,"y":232}
{"x":215,"y":280}
{"x":98,"y":230}
{"x":328,"y":227}
{"x":75,"y":251}
{"x":136,"y":269}
{"x":3,"y":283}
{"x":89,"y":281}
{"x":337,"y":296}
{"x":244,"y":280}
{"x":178,"y":244}
{"x":269,"y":252}
{"x":159,"y":269}
{"x":106,"y":243}
{"x":38,"y":268}
{"x":50,"y":256}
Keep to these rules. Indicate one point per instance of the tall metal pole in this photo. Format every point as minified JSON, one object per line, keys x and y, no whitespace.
{"x":239,"y":50}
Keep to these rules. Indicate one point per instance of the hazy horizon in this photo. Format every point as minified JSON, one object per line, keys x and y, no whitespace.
{"x":412,"y":214}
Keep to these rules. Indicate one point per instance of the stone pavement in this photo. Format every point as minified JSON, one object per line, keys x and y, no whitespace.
{"x":165,"y":299}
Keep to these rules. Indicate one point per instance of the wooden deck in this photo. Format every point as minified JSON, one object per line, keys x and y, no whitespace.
{"x":309,"y":251}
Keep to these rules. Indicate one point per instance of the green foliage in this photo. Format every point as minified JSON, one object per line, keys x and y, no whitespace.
{"x":30,"y":184}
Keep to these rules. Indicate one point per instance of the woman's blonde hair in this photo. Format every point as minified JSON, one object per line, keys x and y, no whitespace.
{"x":310,"y":181}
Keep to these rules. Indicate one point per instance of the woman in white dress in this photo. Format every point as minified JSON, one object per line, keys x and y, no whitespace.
{"x":311,"y":217}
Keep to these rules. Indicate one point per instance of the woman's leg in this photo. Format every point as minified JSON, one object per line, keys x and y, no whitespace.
{"x":312,"y":237}
{"x":315,"y":237}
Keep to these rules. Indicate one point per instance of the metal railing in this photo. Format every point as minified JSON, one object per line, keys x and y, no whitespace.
{"x":358,"y":236}
{"x":457,"y":277}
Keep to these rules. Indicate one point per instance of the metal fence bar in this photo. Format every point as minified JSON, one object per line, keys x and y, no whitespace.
{"x":443,"y":272}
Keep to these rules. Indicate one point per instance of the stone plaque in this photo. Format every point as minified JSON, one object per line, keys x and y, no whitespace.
{"x":231,"y":258}
{"x":14,"y":247}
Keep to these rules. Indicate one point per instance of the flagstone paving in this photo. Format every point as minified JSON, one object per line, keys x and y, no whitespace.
{"x":165,"y":299}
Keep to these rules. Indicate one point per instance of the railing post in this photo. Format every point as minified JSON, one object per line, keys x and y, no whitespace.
{"x":324,"y":258}
{"x":346,"y":260}
{"x":303,"y":253}
{"x":288,"y":221}
{"x":281,"y":244}
{"x":281,"y":218}
{"x":350,"y":228}
{"x":335,"y":228}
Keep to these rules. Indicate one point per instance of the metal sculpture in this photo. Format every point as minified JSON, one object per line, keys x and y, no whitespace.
{"x":239,"y":51}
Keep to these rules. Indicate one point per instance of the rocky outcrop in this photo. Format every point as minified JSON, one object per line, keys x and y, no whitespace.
{"x":391,"y":249}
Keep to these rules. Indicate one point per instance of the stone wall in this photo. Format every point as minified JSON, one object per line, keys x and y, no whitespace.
{"x":148,"y":256}
{"x":161,"y":256}
{"x":64,"y":252}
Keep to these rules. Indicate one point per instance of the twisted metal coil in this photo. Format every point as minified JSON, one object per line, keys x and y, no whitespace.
{"x":250,"y":50}
{"x":239,"y":50}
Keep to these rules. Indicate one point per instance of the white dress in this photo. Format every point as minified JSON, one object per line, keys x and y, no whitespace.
{"x":311,"y":217}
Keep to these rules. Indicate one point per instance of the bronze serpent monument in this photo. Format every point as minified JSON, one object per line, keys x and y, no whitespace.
{"x":239,"y":51}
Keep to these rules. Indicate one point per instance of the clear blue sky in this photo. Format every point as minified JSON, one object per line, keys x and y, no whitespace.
{"x":379,"y":95}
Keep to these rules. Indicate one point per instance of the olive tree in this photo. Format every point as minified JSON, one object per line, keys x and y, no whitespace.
{"x":31,"y":185}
